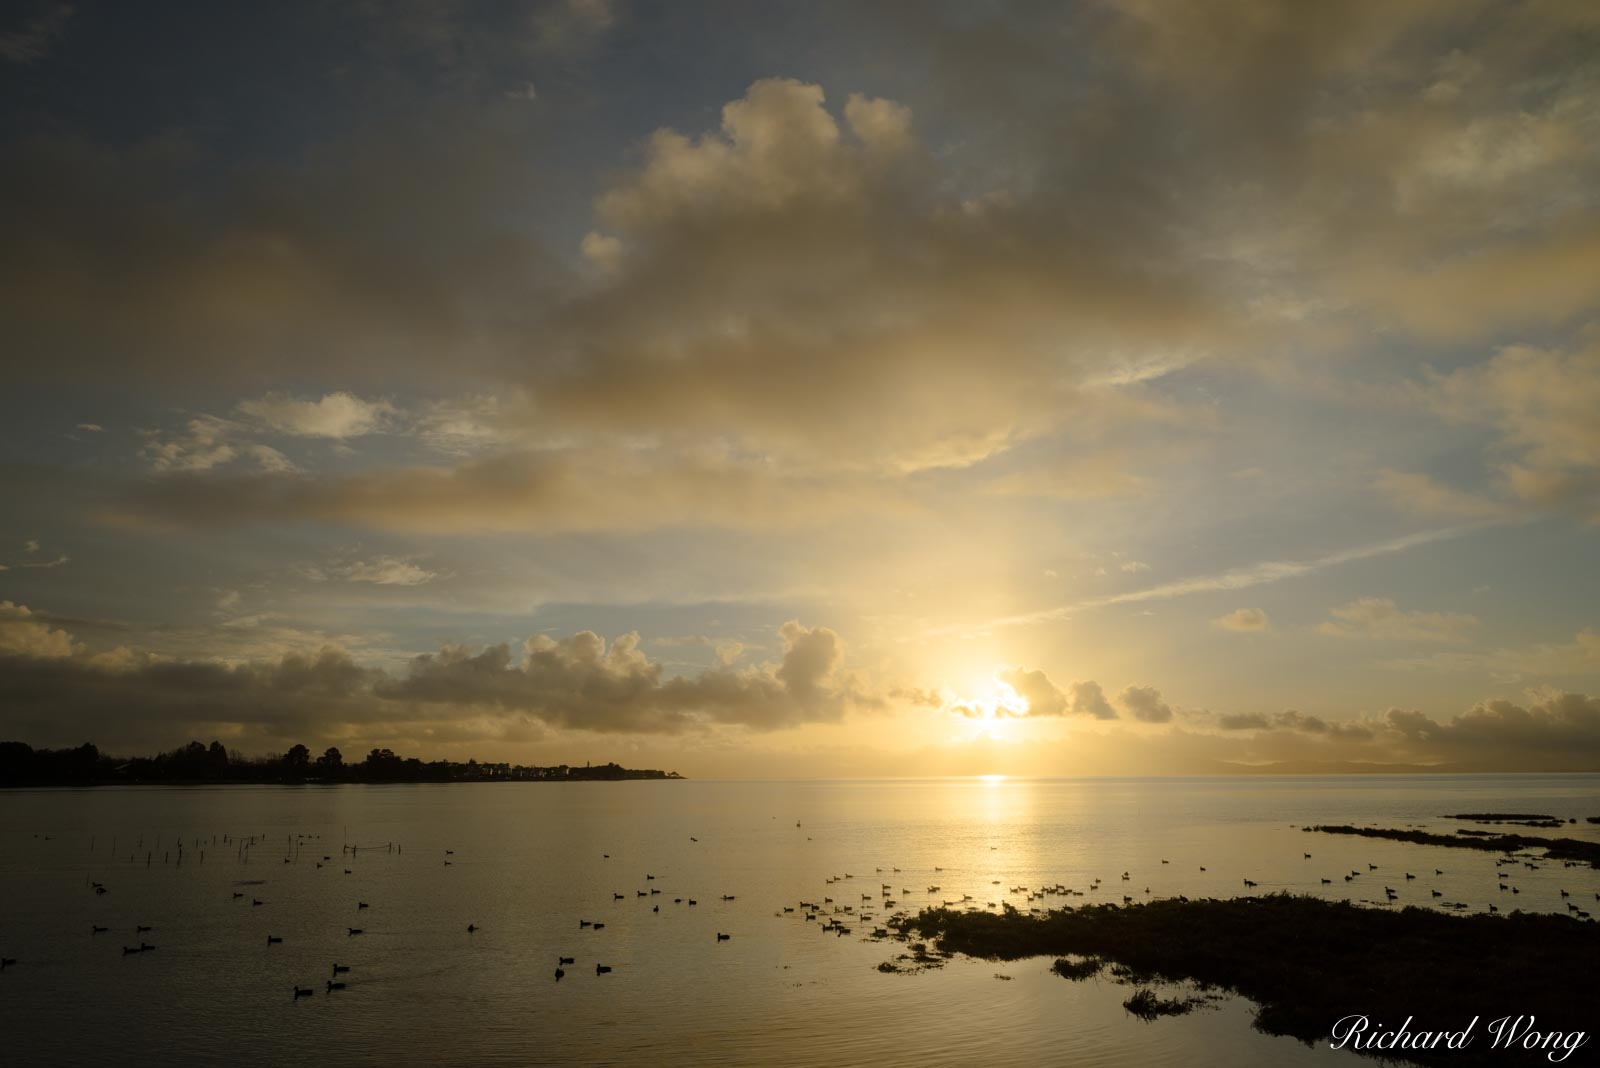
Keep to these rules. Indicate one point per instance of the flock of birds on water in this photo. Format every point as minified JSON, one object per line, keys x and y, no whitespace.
{"x":835,"y":912}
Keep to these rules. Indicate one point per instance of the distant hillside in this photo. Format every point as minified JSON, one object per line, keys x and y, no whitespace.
{"x":1334,"y":767}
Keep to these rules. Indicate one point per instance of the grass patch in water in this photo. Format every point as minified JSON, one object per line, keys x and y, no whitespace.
{"x":1308,"y":963}
{"x":1555,"y":848}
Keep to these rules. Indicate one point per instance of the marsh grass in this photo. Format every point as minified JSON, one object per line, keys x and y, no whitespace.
{"x":1489,"y":841}
{"x":1307,"y":963}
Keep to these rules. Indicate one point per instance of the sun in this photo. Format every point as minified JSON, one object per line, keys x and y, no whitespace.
{"x":992,"y":707}
{"x":1000,"y":700}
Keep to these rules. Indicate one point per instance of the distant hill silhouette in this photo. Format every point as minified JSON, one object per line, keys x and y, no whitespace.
{"x":1334,"y":767}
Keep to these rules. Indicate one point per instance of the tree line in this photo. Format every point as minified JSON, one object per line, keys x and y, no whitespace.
{"x":23,"y":765}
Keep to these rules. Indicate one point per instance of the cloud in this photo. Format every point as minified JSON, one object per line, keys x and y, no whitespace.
{"x":1548,"y":280}
{"x":53,"y":686}
{"x":381,"y":571}
{"x":803,"y":282}
{"x":1541,"y":403}
{"x":1549,"y":731}
{"x":1244,"y":620}
{"x":1034,"y":687}
{"x":811,"y":245}
{"x":30,"y":548}
{"x":584,"y":683}
{"x":202,"y":446}
{"x":1292,"y":720}
{"x":568,"y":24}
{"x":1145,"y":704}
{"x":1089,"y":700}
{"x":461,"y":426}
{"x":21,"y":634}
{"x":777,"y":147}
{"x":357,"y":257}
{"x":208,"y":442}
{"x":33,"y":40}
{"x":336,"y":415}
{"x":1556,"y":729}
{"x":123,"y":695}
{"x":94,"y":428}
{"x":1381,"y":618}
{"x":538,"y":491}
{"x":1045,"y":698}
{"x":1420,"y":494}
{"x":918,"y":697}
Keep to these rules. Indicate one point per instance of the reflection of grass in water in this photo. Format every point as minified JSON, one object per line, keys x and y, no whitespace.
{"x":1079,"y":969}
{"x":1308,"y":963}
{"x":1147,"y":1006}
{"x":918,"y":960}
{"x":1555,"y":848}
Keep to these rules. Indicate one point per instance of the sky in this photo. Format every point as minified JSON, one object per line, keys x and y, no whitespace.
{"x":817,"y":390}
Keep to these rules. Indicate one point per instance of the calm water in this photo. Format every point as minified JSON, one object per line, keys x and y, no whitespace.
{"x":528,"y":863}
